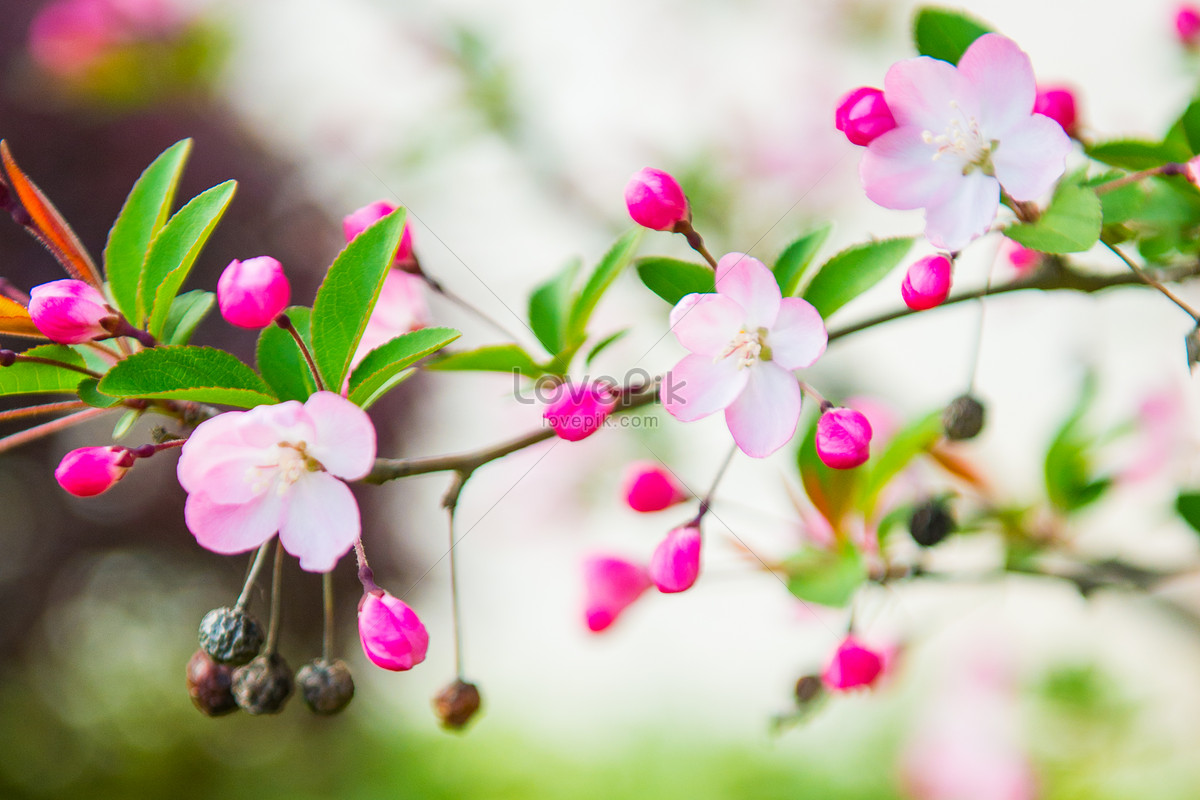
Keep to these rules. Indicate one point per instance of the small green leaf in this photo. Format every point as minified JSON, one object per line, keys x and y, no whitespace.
{"x":24,"y":377}
{"x":1121,"y":204}
{"x":89,"y":394}
{"x":199,"y":374}
{"x":1188,"y":506}
{"x":550,"y":307}
{"x":1070,"y":480}
{"x":381,"y":366}
{"x":493,"y":358}
{"x":1137,"y":154}
{"x":827,"y":577}
{"x":673,"y":280}
{"x":187,"y":311}
{"x":174,"y":251}
{"x":853,"y":271}
{"x":125,"y":423}
{"x":603,"y":344}
{"x":1070,"y":224}
{"x":610,"y":266}
{"x":145,"y":211}
{"x":280,"y":361}
{"x":945,"y":34}
{"x":792,"y":265}
{"x":1189,"y":123}
{"x":348,"y":295}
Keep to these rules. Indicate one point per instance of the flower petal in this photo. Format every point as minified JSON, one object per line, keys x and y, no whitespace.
{"x":967,"y":213}
{"x":928,"y":93}
{"x":1031,"y":157}
{"x":233,"y":528}
{"x":321,"y":522}
{"x":698,"y":386}
{"x":707,"y":323}
{"x":763,"y":418}
{"x":749,"y":283}
{"x":798,"y":337}
{"x":207,"y":445}
{"x":344,"y":439}
{"x":1002,"y":77}
{"x":899,"y":171}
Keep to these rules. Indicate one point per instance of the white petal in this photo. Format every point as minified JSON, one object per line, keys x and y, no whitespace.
{"x":208,"y":444}
{"x":1003,"y":80}
{"x":899,"y":171}
{"x":698,"y":386}
{"x":707,"y":322}
{"x":967,"y":213}
{"x":763,"y":418}
{"x":344,"y":440}
{"x":749,"y":283}
{"x":928,"y":93}
{"x":1031,"y":157}
{"x":321,"y":522}
{"x":798,"y":337}
{"x":233,"y":528}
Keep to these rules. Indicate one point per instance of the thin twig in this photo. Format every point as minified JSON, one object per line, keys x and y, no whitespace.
{"x":48,"y":428}
{"x":276,"y":601}
{"x":256,"y":565}
{"x":1146,"y":278}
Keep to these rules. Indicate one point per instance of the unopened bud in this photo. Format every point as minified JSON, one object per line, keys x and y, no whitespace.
{"x":252,"y":293}
{"x":70,"y":311}
{"x":579,"y":409}
{"x":89,"y":471}
{"x":263,"y":686}
{"x":210,"y":685}
{"x":230,"y":635}
{"x":392,"y":635}
{"x":863,"y":115}
{"x":931,"y":522}
{"x":610,"y":586}
{"x":456,"y":704}
{"x":843,"y":438}
{"x":963,"y":418}
{"x":655,"y":200}
{"x":675,"y":564}
{"x":1187,"y":25}
{"x":650,"y":486}
{"x":1057,"y":103}
{"x":357,"y":222}
{"x":927,"y":283}
{"x":327,"y":687}
{"x":853,"y":666}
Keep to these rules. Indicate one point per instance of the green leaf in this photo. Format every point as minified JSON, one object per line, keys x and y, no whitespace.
{"x":89,"y":394}
{"x":610,"y":266}
{"x":198,"y":374}
{"x":24,"y":377}
{"x":853,"y":271}
{"x":1070,"y":224}
{"x":1121,"y":204}
{"x":827,"y":577}
{"x":145,"y":211}
{"x":493,"y":358}
{"x":1189,"y":123}
{"x":1137,"y":154}
{"x":348,"y":295}
{"x":125,"y":423}
{"x":945,"y":34}
{"x":187,"y":311}
{"x":174,"y":251}
{"x":792,"y":265}
{"x":1070,"y":480}
{"x":1188,"y":506}
{"x":673,"y":280}
{"x":379,"y":369}
{"x":550,"y":307}
{"x":603,"y":344}
{"x":283,"y":366}
{"x":911,"y":441}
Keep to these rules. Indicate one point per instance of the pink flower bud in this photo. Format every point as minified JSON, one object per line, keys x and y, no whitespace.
{"x":68,"y":37}
{"x":70,"y":311}
{"x":1187,"y":25}
{"x":676,"y":561}
{"x":651,"y":487}
{"x":1057,"y":103}
{"x":368,"y":215}
{"x":1191,"y":171}
{"x":610,"y":586}
{"x":927,"y":283}
{"x":392,"y":636}
{"x":1020,"y":258}
{"x":852,"y":667}
{"x":843,"y":438}
{"x":90,"y":471}
{"x":579,"y":410}
{"x":252,"y":293}
{"x":863,"y":115}
{"x":655,"y":200}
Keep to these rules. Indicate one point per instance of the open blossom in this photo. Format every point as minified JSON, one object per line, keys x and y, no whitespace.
{"x":649,"y":486}
{"x":745,"y":340}
{"x":963,"y":133}
{"x":610,"y":586}
{"x":70,"y":311}
{"x":89,"y":471}
{"x":275,"y":468}
{"x":392,"y":635}
{"x":675,"y":564}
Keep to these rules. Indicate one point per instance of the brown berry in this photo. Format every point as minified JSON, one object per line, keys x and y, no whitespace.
{"x":209,"y":685}
{"x":264,"y":685}
{"x":456,"y":704}
{"x":230,"y":635}
{"x":808,"y":688}
{"x":963,"y":418}
{"x":931,"y":522}
{"x":327,"y":687}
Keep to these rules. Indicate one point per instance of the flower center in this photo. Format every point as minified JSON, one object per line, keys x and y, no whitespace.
{"x":749,"y":347}
{"x":290,"y":463}
{"x":962,"y":139}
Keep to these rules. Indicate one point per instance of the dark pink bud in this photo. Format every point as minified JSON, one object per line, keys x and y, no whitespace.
{"x":852,"y":667}
{"x":392,"y":636}
{"x":90,"y":471}
{"x":252,"y":293}
{"x":843,"y":438}
{"x":1021,"y":258}
{"x":675,"y":564}
{"x":651,"y":487}
{"x":1057,"y":103}
{"x":610,"y":586}
{"x":655,"y":200}
{"x":927,"y":283}
{"x":1187,"y":25}
{"x":69,"y":311}
{"x":863,"y":115}
{"x":368,"y":215}
{"x":578,"y":410}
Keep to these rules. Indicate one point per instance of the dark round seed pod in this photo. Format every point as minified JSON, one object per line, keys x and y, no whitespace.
{"x":230,"y":635}
{"x":963,"y":418}
{"x":263,"y":685}
{"x":210,"y":685}
{"x":808,"y":689}
{"x":327,"y":687}
{"x":456,"y":704}
{"x":931,"y":522}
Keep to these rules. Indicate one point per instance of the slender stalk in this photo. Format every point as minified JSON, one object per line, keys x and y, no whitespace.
{"x":366,"y":576}
{"x":454,"y":604}
{"x":327,"y":597}
{"x":437,"y":287}
{"x":256,"y":565}
{"x":276,"y":601}
{"x":979,"y":330}
{"x":47,"y":408}
{"x":285,"y":322}
{"x":1147,"y":279}
{"x":1135,"y":177}
{"x":9,"y":357}
{"x":48,"y":428}
{"x":816,"y":396}
{"x":706,"y":503}
{"x":695,"y":241}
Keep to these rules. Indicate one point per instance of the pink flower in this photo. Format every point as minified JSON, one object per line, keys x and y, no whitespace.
{"x":1020,"y":258}
{"x":252,"y":293}
{"x":927,"y":282}
{"x":863,"y":115}
{"x":610,"y":586}
{"x":1057,"y":103}
{"x":275,"y":468}
{"x":68,"y":37}
{"x":70,"y":311}
{"x":675,"y":564}
{"x":1187,"y":25}
{"x":90,"y":471}
{"x":392,"y":635}
{"x":745,"y":340}
{"x":578,"y":410}
{"x":400,"y":309}
{"x":355,"y":223}
{"x":843,"y":438}
{"x":651,"y":487}
{"x":853,"y":666}
{"x":964,"y":132}
{"x":655,"y":200}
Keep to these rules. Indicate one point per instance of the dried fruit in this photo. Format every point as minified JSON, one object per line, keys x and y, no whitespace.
{"x":264,"y":685}
{"x":210,"y":685}
{"x":963,"y":418}
{"x":931,"y":522}
{"x":456,"y":704}
{"x":327,"y":686}
{"x":230,"y":635}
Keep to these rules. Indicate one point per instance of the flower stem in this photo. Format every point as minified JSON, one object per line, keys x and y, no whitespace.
{"x":1134,"y":177}
{"x":1150,"y":281}
{"x":327,"y":597}
{"x":256,"y":565}
{"x":48,"y":408}
{"x":454,"y":606}
{"x":285,"y":322}
{"x":694,"y":240}
{"x":816,"y":396}
{"x":706,"y":503}
{"x":366,"y":575}
{"x":10,"y":357}
{"x":437,"y":287}
{"x":47,"y":428}
{"x":276,"y":601}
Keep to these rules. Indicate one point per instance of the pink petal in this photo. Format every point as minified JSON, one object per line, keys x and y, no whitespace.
{"x":763,"y":418}
{"x":232,"y":528}
{"x":749,"y":283}
{"x":898,"y":171}
{"x":953,"y":223}
{"x":698,"y":386}
{"x":928,"y":93}
{"x":344,"y":442}
{"x":206,"y":447}
{"x":321,"y":522}
{"x":1031,"y":157}
{"x":1002,"y":77}
{"x":706,"y":323}
{"x":798,"y":337}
